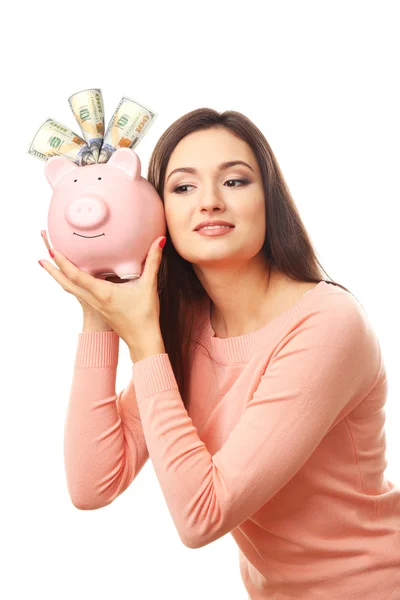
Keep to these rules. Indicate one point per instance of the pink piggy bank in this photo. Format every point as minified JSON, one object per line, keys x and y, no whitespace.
{"x":105,"y":216}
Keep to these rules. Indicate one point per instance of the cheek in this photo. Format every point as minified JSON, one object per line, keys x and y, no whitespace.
{"x":253,"y":216}
{"x":169,"y":215}
{"x":178,"y":227}
{"x":171,"y":219}
{"x":177,"y":218}
{"x":255,"y":208}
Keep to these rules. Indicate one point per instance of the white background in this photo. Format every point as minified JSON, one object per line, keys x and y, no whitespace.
{"x":320,"y":79}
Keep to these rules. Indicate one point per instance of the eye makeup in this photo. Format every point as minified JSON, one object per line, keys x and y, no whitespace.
{"x":177,"y":189}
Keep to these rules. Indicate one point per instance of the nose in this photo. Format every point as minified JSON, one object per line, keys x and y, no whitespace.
{"x":86,"y":212}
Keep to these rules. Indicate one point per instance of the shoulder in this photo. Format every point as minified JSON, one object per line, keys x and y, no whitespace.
{"x":339,"y":309}
{"x":331,"y":339}
{"x":337,"y":320}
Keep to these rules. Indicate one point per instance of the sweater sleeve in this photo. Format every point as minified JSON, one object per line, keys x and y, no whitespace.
{"x":328,"y":362}
{"x":104,"y":446}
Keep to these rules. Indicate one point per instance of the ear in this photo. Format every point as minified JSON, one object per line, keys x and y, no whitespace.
{"x":127,"y":161}
{"x":56,"y":167}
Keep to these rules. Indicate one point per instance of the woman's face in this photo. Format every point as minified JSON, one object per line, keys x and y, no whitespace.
{"x":209,"y":193}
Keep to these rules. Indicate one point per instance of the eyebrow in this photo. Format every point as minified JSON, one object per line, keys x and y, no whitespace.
{"x":222,"y":167}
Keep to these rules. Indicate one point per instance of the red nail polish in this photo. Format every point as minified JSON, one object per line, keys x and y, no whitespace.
{"x":163,"y":242}
{"x":51,"y":253}
{"x":40,"y":264}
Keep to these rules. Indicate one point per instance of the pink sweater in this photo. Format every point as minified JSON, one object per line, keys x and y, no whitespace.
{"x":283,"y":447}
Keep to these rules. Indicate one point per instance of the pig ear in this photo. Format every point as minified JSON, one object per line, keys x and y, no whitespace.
{"x":56,"y":167}
{"x":128,"y":161}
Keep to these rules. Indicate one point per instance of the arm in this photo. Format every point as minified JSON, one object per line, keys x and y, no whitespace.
{"x":324,"y":366}
{"x":104,"y":446}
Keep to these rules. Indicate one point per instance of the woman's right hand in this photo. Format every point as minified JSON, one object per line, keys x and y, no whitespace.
{"x":87,"y":310}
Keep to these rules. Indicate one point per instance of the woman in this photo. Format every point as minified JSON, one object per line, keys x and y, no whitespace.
{"x":264,"y":418}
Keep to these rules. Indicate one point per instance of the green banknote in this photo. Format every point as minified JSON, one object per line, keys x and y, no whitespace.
{"x":88,"y":109}
{"x":127,"y":126}
{"x":55,"y":139}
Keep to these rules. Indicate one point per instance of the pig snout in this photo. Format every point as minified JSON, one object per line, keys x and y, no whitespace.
{"x":86,"y":212}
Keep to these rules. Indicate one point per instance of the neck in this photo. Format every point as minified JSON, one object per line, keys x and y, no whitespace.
{"x":240,"y":307}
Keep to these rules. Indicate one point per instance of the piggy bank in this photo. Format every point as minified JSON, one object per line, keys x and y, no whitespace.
{"x":104,"y":217}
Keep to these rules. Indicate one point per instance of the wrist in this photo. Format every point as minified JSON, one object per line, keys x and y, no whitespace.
{"x":149,"y":346}
{"x":92,"y":323}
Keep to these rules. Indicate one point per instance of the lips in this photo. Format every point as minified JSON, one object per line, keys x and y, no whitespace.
{"x":212,"y":224}
{"x":214,"y":231}
{"x":215,"y":227}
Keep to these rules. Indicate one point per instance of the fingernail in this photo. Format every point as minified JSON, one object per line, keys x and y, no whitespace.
{"x":51,"y":253}
{"x":163,"y":242}
{"x":40,"y":263}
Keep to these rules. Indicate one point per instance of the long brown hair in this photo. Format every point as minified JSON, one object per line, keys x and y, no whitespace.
{"x":287,"y":244}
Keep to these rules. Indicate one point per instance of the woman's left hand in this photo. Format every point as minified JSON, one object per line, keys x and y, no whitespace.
{"x":128,"y":307}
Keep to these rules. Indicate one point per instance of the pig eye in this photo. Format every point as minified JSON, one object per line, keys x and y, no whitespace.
{"x":75,"y":180}
{"x":99,"y":178}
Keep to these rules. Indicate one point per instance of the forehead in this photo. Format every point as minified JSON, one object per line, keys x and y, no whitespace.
{"x":88,"y":172}
{"x":202,"y":149}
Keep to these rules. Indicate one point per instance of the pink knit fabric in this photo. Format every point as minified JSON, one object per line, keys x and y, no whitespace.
{"x":283,"y":446}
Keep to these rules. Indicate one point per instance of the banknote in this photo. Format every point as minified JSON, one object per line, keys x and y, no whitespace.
{"x":88,"y":109}
{"x":55,"y":139}
{"x":127,"y":126}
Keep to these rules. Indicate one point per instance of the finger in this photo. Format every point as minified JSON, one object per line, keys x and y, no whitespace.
{"x":44,"y":236}
{"x":153,"y":261}
{"x":79,"y":278}
{"x":67,"y":285}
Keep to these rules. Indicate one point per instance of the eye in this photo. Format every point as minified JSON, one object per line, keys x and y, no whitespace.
{"x":75,"y":180}
{"x":99,"y":178}
{"x":242,"y":181}
{"x":179,"y":187}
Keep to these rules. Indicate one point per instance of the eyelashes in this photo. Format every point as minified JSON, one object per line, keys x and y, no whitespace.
{"x":177,"y":189}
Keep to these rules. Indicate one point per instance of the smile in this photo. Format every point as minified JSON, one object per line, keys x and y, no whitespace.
{"x":88,"y":236}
